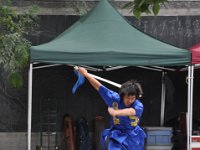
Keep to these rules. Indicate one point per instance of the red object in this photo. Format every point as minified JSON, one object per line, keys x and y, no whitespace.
{"x":195,"y":54}
{"x":183,"y":128}
{"x":196,"y":139}
{"x":69,"y":133}
{"x":183,"y":123}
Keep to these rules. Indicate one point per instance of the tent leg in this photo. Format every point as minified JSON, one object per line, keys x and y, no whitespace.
{"x":162,"y":114}
{"x":191,"y":102}
{"x":30,"y":80}
{"x":190,"y":106}
{"x":188,"y":111}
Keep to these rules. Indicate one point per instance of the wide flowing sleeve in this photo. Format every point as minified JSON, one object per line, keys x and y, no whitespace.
{"x":108,"y":95}
{"x":138,"y":108}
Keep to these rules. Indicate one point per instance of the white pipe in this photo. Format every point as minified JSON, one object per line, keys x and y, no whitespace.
{"x":154,"y":69}
{"x":196,"y":66}
{"x":91,"y":68}
{"x":188,"y":110}
{"x":35,"y":63}
{"x":191,"y":102}
{"x":30,"y":81}
{"x":88,"y":67}
{"x":184,"y":69}
{"x":46,"y":66}
{"x":162,"y":114}
{"x":53,"y":65}
{"x":114,"y":68}
{"x":164,"y":68}
{"x":190,"y":106}
{"x":157,"y":68}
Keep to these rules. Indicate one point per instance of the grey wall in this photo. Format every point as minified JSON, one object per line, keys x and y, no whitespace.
{"x":13,"y":105}
{"x":180,"y":31}
{"x":18,"y":141}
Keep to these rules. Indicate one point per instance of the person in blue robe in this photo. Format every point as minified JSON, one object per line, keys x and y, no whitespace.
{"x":126,"y":110}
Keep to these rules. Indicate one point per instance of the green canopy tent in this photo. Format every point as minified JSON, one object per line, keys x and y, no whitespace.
{"x":104,"y":37}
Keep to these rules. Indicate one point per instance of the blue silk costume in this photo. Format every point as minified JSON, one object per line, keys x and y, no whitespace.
{"x":124,"y":133}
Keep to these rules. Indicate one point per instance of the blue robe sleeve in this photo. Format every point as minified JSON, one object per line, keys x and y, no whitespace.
{"x":108,"y":95}
{"x":139,"y":109}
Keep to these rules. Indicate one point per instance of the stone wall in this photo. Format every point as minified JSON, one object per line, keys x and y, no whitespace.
{"x":18,"y":141}
{"x":66,"y":7}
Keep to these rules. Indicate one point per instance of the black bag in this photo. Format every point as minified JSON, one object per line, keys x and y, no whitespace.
{"x":82,"y":134}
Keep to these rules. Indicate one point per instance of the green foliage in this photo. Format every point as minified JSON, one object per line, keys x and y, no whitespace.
{"x":137,"y":7}
{"x":14,"y":47}
{"x":16,"y":79}
{"x":80,"y":7}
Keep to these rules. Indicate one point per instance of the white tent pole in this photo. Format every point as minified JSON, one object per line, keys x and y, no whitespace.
{"x":162,"y":114}
{"x":164,"y":68}
{"x":30,"y":81}
{"x":191,"y":103}
{"x":114,"y":68}
{"x":196,"y":66}
{"x":91,"y":68}
{"x":46,"y":66}
{"x":188,"y":110}
{"x":150,"y":68}
{"x":190,"y":106}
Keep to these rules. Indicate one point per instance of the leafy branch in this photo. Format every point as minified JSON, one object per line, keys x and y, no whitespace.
{"x":137,"y":7}
{"x":14,"y":47}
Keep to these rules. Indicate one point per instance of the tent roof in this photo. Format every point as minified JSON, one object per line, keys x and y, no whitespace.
{"x":104,"y":37}
{"x":195,"y":54}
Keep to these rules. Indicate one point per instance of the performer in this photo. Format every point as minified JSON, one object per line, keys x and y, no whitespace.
{"x":125,"y":110}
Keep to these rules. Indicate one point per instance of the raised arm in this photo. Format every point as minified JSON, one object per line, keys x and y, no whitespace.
{"x":107,"y":95}
{"x":95,"y":83}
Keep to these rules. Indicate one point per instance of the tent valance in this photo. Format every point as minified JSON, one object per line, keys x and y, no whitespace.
{"x":195,"y":54}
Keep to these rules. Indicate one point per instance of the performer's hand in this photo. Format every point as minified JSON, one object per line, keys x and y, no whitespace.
{"x":96,"y":84}
{"x":111,"y":111}
{"x":81,"y":70}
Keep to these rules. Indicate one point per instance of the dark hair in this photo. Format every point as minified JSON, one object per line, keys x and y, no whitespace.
{"x":129,"y":88}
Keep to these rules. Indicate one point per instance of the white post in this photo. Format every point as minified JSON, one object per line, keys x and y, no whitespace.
{"x":191,"y":103}
{"x":188,"y":110}
{"x":162,"y":114}
{"x":190,"y":106}
{"x":30,"y":80}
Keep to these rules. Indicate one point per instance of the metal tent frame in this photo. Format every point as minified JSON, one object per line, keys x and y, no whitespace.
{"x":189,"y":98}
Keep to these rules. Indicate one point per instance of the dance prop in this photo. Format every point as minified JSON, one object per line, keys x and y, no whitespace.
{"x":81,"y":79}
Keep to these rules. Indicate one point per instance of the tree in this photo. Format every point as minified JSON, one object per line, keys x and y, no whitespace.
{"x":14,"y":47}
{"x":144,"y":6}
